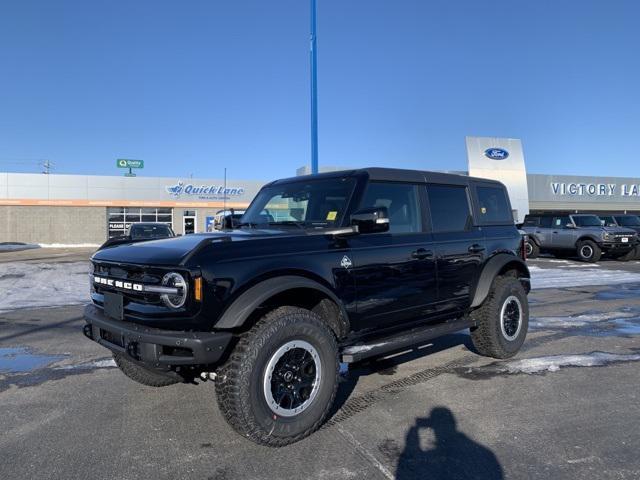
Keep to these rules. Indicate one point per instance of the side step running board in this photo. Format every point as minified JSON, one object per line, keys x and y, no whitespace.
{"x":399,"y":341}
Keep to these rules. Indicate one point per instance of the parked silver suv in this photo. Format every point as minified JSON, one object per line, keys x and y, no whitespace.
{"x":582,"y":235}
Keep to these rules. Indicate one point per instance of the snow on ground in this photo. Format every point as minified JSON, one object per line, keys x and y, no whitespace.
{"x":583,"y":320}
{"x":69,"y":245}
{"x":553,"y":363}
{"x":106,"y":363}
{"x":34,"y":285}
{"x":16,"y":247}
{"x":562,"y":277}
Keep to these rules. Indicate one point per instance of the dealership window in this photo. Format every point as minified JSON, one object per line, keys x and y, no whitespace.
{"x":120,"y":218}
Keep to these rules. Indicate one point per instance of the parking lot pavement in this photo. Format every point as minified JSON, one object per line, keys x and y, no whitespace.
{"x":565,"y":408}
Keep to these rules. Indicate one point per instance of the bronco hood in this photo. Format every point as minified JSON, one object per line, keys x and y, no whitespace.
{"x":176,"y":251}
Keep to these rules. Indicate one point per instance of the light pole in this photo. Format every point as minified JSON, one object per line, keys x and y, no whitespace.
{"x":314,"y":90}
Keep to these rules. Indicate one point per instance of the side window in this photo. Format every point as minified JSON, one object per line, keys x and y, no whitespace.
{"x":449,"y":205}
{"x":530,"y":221}
{"x":545,"y":222}
{"x":608,"y":221}
{"x":493,"y":205}
{"x":402,"y":202}
{"x":560,"y":222}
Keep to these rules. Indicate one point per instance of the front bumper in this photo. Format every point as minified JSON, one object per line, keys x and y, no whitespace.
{"x":617,"y":246}
{"x":152,"y":346}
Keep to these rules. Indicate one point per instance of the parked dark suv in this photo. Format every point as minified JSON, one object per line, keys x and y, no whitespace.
{"x":322,"y":269}
{"x":579,"y":234}
{"x":625,"y":221}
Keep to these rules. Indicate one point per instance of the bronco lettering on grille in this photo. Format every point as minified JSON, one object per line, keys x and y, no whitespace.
{"x":136,"y":287}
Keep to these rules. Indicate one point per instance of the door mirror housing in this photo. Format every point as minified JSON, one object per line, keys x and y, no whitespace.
{"x":371,"y":220}
{"x":570,"y":226}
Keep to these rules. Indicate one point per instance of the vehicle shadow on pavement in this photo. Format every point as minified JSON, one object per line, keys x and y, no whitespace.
{"x":453,"y":454}
{"x":388,"y":366}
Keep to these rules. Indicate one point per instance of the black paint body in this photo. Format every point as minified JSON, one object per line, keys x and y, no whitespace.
{"x":394,"y":281}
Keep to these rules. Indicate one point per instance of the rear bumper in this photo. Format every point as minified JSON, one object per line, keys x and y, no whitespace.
{"x":154,"y":347}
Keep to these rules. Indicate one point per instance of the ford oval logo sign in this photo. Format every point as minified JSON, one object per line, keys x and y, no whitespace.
{"x":496,"y":153}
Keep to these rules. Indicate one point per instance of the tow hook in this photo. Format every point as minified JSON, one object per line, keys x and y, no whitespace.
{"x":208,"y":376}
{"x":88,"y":331}
{"x":132,"y":350}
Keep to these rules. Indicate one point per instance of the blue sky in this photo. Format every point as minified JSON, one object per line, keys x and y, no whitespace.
{"x":192,"y":87}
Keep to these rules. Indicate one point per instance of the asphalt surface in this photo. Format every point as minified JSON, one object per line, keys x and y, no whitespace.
{"x":438,"y":411}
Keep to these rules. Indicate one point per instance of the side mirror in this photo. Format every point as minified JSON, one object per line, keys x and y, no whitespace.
{"x":371,"y":220}
{"x":570,"y":225}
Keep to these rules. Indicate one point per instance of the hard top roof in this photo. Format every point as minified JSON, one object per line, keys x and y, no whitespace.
{"x":391,"y":175}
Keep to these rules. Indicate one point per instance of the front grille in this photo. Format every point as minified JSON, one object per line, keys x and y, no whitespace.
{"x":133,"y":274}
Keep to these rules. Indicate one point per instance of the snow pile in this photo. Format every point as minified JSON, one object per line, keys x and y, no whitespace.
{"x":560,"y":277}
{"x":35,"y":285}
{"x":69,"y":245}
{"x":16,"y":247}
{"x":553,"y":363}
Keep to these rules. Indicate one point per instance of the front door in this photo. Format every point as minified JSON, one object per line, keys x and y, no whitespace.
{"x":561,"y":236}
{"x":395,"y":271}
{"x":189,"y":225}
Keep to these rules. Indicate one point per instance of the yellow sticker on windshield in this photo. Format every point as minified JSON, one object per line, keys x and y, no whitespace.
{"x":331,"y":216}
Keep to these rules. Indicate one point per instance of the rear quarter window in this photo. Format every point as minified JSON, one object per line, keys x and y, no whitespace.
{"x":493,"y":206}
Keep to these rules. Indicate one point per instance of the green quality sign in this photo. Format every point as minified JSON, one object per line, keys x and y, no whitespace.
{"x":126,"y":163}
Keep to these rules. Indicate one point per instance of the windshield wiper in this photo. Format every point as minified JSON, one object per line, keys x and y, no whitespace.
{"x":289,"y":222}
{"x":247,"y":224}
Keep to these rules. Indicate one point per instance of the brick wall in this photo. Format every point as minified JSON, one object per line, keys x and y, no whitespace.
{"x":44,"y":224}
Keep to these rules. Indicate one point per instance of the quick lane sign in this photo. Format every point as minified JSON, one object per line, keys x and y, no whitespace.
{"x":126,"y":163}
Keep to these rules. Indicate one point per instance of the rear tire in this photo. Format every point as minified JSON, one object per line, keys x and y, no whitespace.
{"x":589,"y":251}
{"x":279,"y":384}
{"x":531,"y":249}
{"x":503,"y":319}
{"x":143,"y":375}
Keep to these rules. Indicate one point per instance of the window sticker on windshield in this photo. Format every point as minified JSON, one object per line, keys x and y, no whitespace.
{"x":332,"y":215}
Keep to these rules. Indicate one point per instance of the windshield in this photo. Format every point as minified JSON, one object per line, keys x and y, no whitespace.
{"x":150,"y":231}
{"x":587,"y":221}
{"x":312,"y":203}
{"x":630,"y":221}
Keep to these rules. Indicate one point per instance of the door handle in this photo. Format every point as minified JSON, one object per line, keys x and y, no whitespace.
{"x":421,"y":254}
{"x":476,"y":248}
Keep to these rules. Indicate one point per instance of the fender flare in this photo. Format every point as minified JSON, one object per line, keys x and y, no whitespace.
{"x":243,"y":306}
{"x":592,"y":238}
{"x":491,"y":269}
{"x":534,"y":238}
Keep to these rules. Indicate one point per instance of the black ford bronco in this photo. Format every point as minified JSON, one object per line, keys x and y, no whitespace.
{"x":322,"y":269}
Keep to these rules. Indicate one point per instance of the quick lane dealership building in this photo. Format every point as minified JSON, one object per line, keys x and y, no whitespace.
{"x":74,"y":209}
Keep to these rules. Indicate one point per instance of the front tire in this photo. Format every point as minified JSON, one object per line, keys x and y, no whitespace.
{"x":589,"y":251}
{"x":531,"y":249}
{"x":630,"y":255}
{"x":143,"y":375}
{"x":279,"y":384}
{"x":503,"y":319}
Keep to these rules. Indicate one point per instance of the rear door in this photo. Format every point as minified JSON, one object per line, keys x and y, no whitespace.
{"x":460,"y":245}
{"x":394,"y":271}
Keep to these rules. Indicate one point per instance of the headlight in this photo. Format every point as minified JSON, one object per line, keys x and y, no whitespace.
{"x":607,"y":236}
{"x":177,"y":281}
